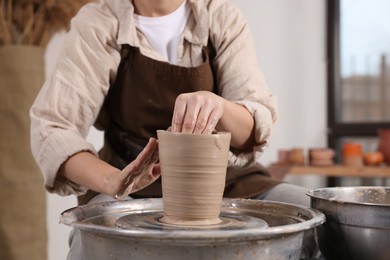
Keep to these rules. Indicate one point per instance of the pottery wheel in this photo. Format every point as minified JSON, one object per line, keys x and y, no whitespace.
{"x":152,"y":221}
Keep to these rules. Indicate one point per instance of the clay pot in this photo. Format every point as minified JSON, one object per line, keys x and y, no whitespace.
{"x":193,"y":171}
{"x":321,"y":156}
{"x":283,"y":156}
{"x":373,"y":158}
{"x":384,"y":144}
{"x":296,"y":156}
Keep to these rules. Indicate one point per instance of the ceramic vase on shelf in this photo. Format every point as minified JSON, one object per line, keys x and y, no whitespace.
{"x":352,"y":154}
{"x":22,"y":195}
{"x":384,"y":144}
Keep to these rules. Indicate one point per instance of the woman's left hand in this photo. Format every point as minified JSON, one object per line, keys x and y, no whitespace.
{"x":197,"y":112}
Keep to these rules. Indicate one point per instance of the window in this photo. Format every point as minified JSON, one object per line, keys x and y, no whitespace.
{"x":358,"y":51}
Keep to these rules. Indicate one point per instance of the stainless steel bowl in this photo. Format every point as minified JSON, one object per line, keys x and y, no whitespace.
{"x":131,"y":230}
{"x":357,"y":222}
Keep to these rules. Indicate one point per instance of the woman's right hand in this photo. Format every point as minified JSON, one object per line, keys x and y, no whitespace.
{"x":87,"y":170}
{"x":141,"y":172}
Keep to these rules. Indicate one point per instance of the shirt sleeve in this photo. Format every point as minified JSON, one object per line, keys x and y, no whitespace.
{"x":239,"y":77}
{"x":70,"y":100}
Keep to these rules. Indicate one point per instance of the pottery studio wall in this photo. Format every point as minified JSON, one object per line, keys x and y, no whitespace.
{"x":290,"y":41}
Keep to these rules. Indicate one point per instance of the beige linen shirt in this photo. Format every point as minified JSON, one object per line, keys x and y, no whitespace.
{"x":70,"y":100}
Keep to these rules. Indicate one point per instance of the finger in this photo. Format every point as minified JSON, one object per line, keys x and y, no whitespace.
{"x":139,"y":179}
{"x":145,"y":179}
{"x":212,"y":122}
{"x":142,"y":157}
{"x":156,"y":172}
{"x":178,"y":114}
{"x":147,"y":157}
{"x":191,"y":115}
{"x":203,"y":119}
{"x":150,"y":158}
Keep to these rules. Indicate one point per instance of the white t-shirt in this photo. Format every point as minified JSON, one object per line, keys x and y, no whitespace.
{"x":165,"y":32}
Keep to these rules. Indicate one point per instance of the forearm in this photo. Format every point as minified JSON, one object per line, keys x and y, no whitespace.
{"x":87,"y":170}
{"x":237,"y":120}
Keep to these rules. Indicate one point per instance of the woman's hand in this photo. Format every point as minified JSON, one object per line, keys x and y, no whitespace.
{"x":197,"y":112}
{"x":141,"y":172}
{"x":87,"y":170}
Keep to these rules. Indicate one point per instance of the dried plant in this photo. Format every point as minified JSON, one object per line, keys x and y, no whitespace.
{"x":33,"y":22}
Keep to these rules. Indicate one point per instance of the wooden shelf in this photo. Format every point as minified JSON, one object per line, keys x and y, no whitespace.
{"x":279,"y":171}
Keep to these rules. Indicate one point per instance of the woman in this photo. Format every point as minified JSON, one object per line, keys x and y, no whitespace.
{"x":133,"y":67}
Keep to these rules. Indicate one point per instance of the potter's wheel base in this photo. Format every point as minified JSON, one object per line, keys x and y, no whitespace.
{"x":152,"y":221}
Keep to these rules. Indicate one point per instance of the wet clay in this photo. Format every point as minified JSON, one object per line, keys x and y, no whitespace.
{"x":193,"y":170}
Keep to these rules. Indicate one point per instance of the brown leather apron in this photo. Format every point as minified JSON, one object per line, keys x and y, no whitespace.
{"x":141,"y":101}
